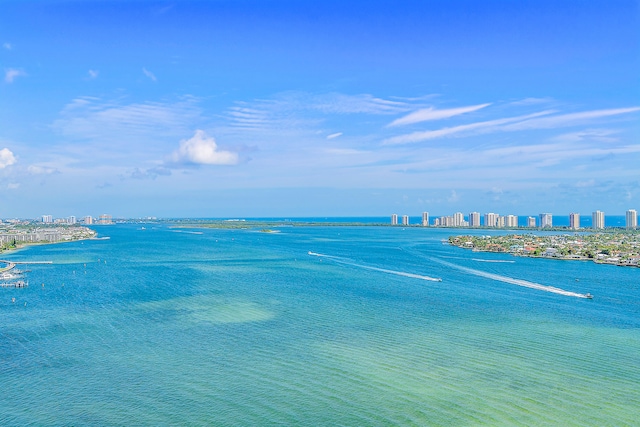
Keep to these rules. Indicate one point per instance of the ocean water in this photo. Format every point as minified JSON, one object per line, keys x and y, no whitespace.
{"x":238,"y":327}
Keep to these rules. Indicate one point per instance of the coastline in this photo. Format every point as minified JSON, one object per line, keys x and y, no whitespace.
{"x":619,"y":249}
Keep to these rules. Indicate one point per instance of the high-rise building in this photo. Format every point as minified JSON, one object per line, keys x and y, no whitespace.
{"x":405,"y":219}
{"x":458,"y":219}
{"x":47,"y":219}
{"x":574,"y":221}
{"x":474,"y":219}
{"x":105,"y":219}
{"x":597,"y":219}
{"x":512,"y":221}
{"x":491,"y":219}
{"x":531,"y":221}
{"x":546,"y":220}
{"x":71,"y":220}
{"x":394,"y":219}
{"x":632,"y":219}
{"x":88,"y":220}
{"x":425,"y":219}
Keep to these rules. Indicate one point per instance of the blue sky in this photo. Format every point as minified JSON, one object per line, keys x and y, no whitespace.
{"x":334,"y":108}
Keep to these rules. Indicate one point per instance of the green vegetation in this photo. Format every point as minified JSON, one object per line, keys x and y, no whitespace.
{"x":620,"y":248}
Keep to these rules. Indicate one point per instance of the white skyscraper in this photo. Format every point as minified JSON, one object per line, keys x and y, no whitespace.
{"x":405,"y":219}
{"x":531,"y":221}
{"x":71,"y":220}
{"x":458,"y":219}
{"x":88,"y":220}
{"x":491,"y":219}
{"x":425,"y":219}
{"x":632,"y":219}
{"x":546,"y":220}
{"x":597,"y":219}
{"x":47,"y":219}
{"x":512,"y":221}
{"x":474,"y":219}
{"x":574,"y":221}
{"x":394,"y":219}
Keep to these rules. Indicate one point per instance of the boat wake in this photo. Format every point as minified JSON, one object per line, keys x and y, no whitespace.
{"x":513,"y":281}
{"x":493,"y":260}
{"x":381,"y":270}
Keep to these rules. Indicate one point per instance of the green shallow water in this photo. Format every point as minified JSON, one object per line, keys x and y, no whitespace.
{"x":236,"y":327}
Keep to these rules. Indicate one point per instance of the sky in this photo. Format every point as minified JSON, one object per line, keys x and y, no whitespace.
{"x":247,"y":108}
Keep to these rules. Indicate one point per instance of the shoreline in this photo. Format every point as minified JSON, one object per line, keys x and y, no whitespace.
{"x":621,"y":249}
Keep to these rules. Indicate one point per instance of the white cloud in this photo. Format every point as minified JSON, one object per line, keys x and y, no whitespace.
{"x":427,"y":114}
{"x":511,"y":124}
{"x":202,"y":149}
{"x":338,"y":103}
{"x":6,"y":158}
{"x":600,"y":135}
{"x":116,"y":122}
{"x":13,"y":186}
{"x":334,"y":135}
{"x":93,"y":74}
{"x":41,"y":170}
{"x":532,"y":101}
{"x":344,"y":151}
{"x":11,"y":74}
{"x":475,"y":128}
{"x":564,"y":120}
{"x":302,"y":110}
{"x":149,"y":74}
{"x":7,"y":46}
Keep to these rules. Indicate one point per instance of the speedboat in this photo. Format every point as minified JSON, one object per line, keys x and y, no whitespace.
{"x":588,"y":295}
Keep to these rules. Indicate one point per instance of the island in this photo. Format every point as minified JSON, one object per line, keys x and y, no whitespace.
{"x":618,"y":248}
{"x":16,"y":236}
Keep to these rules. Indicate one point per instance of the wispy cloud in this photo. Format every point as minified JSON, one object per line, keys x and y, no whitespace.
{"x":571,"y":119}
{"x":601,"y":135}
{"x":532,"y":101}
{"x":334,"y":135}
{"x":478,"y":127}
{"x":10,"y":74}
{"x":6,"y":158}
{"x":7,"y":46}
{"x":540,"y":120}
{"x":41,"y":170}
{"x":149,"y":74}
{"x":290,"y":110}
{"x":93,"y":74}
{"x":151,"y":173}
{"x":115,"y":121}
{"x":428,"y":114}
{"x":202,"y":149}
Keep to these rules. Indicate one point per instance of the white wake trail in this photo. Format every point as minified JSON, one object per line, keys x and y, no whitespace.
{"x":511,"y":280}
{"x":382,"y":270}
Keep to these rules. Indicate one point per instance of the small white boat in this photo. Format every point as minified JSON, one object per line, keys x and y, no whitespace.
{"x":588,"y":295}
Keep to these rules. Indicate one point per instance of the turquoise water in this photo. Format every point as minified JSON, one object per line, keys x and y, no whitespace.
{"x":237,"y":327}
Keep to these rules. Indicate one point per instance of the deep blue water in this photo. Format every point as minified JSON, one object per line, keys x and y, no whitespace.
{"x":167,"y":326}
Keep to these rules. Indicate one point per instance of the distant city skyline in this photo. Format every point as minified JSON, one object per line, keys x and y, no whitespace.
{"x":300,"y":108}
{"x":543,"y":220}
